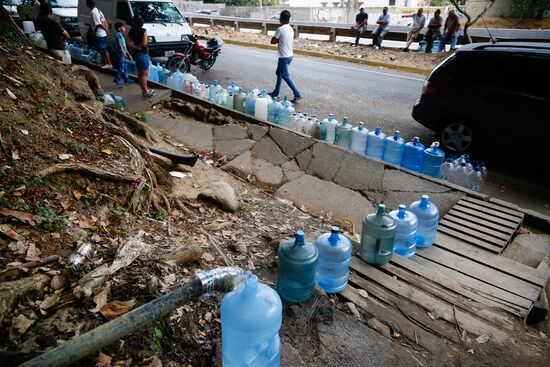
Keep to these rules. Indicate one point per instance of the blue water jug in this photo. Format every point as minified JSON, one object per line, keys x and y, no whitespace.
{"x":251,"y":317}
{"x":428,"y":217}
{"x":131,"y":67}
{"x":413,"y":153}
{"x":177,"y":79}
{"x":154,"y":72}
{"x":286,"y":114}
{"x":163,"y":75}
{"x":233,"y":88}
{"x":375,"y":143}
{"x":406,"y":223}
{"x":343,"y":134}
{"x":214,"y":87}
{"x":297,"y":263}
{"x":433,"y":159}
{"x":333,"y":264}
{"x":377,"y":237}
{"x":250,"y":104}
{"x":274,"y":110}
{"x":359,"y":136}
{"x":393,"y":149}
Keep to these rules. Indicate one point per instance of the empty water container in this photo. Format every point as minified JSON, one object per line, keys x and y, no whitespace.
{"x":316,"y":128}
{"x":262,"y":102}
{"x":428,"y":217}
{"x":328,"y":131}
{"x":297,"y":263}
{"x":447,"y":169}
{"x":393,"y":149}
{"x":343,"y":134}
{"x":251,"y":317}
{"x":286,"y":114}
{"x":359,"y":136}
{"x":250,"y":104}
{"x":274,"y":111}
{"x":154,"y":72}
{"x":239,"y":101}
{"x":406,"y":224}
{"x":177,"y":79}
{"x":375,"y":143}
{"x":230,"y":100}
{"x":163,"y":75}
{"x":377,"y":237}
{"x":432,"y":161}
{"x":333,"y":264}
{"x":131,"y":67}
{"x":300,"y":122}
{"x":413,"y":153}
{"x":232,"y":88}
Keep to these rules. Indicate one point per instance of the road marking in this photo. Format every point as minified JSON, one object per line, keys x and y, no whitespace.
{"x":336,"y":65}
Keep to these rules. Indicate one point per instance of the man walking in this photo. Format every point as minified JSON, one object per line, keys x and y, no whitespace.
{"x":382,"y":29}
{"x":54,"y":34}
{"x":434,"y":30}
{"x":284,"y":38}
{"x":419,"y":21}
{"x":361,"y":20}
{"x":99,"y":26}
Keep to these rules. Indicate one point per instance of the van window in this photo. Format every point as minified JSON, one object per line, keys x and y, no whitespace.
{"x":123,"y":11}
{"x":157,"y":12}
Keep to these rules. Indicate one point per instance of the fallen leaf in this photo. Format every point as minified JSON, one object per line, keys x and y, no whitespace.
{"x":114,"y":309}
{"x":66,"y":204}
{"x":77,"y":195}
{"x":25,"y":132}
{"x":10,"y":94}
{"x":8,"y":231}
{"x":482,"y":339}
{"x":103,"y":360}
{"x":65,"y":156}
{"x":107,"y":151}
{"x":87,"y":222}
{"x":50,"y":301}
{"x":101,"y":298}
{"x":15,"y":154}
{"x":33,"y":253}
{"x":208,"y":257}
{"x":129,"y":251}
{"x":250,"y":264}
{"x":155,"y":362}
{"x":19,"y":325}
{"x":363,"y":293}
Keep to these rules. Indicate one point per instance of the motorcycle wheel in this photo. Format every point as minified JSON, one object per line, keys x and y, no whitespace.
{"x":176,"y":61}
{"x":208,"y":65}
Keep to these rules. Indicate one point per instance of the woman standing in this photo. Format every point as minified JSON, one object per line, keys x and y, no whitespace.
{"x":137,"y":39}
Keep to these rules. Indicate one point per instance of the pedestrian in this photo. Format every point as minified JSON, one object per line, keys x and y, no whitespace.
{"x":382,"y":29}
{"x":419,"y":21}
{"x":452,"y":26}
{"x":361,"y":20}
{"x":121,"y":54}
{"x":137,"y":40}
{"x":284,"y":38}
{"x":54,"y":33}
{"x":434,"y":30}
{"x":98,"y":25}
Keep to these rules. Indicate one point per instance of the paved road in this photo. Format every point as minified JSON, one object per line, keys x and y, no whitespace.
{"x":372,"y":95}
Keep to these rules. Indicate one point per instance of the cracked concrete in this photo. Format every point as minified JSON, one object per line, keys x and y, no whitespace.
{"x":267,"y":150}
{"x":325,"y":160}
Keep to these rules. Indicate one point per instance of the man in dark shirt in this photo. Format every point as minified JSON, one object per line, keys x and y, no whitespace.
{"x":361,"y":20}
{"x":54,"y":34}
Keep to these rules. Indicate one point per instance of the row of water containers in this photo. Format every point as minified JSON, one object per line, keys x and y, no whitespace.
{"x":252,"y":314}
{"x":465,"y":172}
{"x":83,"y":53}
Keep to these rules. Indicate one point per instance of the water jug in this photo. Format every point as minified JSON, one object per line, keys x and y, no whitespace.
{"x":328,"y":132}
{"x":413,"y":153}
{"x":406,"y":223}
{"x":163,"y":75}
{"x":197,"y":89}
{"x":262,"y":103}
{"x":177,"y":79}
{"x":297,"y":263}
{"x":447,"y":169}
{"x":293,"y":121}
{"x":239,"y":101}
{"x":333,"y":264}
{"x":358,"y":142}
{"x":393,"y":149}
{"x":432,"y":161}
{"x":476,"y":179}
{"x":250,"y":104}
{"x":428,"y":217}
{"x":251,"y":317}
{"x":343,"y":134}
{"x":274,"y":110}
{"x":214,"y":87}
{"x":300,"y":122}
{"x":232,"y":88}
{"x":230,"y":101}
{"x":375,"y":143}
{"x":286,"y":114}
{"x":377,"y":236}
{"x":222,"y":100}
{"x":316,"y":128}
{"x":308,"y":126}
{"x":460,"y":174}
{"x":154,"y":72}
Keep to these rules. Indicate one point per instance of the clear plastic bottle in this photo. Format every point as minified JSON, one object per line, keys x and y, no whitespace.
{"x":393,"y":149}
{"x":377,"y":237}
{"x":428,"y":217}
{"x":230,"y":100}
{"x":286,"y":114}
{"x":163,"y":75}
{"x":215,"y":87}
{"x":405,"y":232}
{"x":432,"y":161}
{"x":233,"y":88}
{"x":359,"y":136}
{"x":222,"y":98}
{"x":334,"y":258}
{"x":239,"y":101}
{"x":375,"y":143}
{"x":176,"y":79}
{"x":328,"y":133}
{"x":302,"y":117}
{"x":447,"y":169}
{"x":343,"y":134}
{"x":262,"y":102}
{"x":316,"y":128}
{"x":251,"y":317}
{"x":476,"y":179}
{"x":293,"y":121}
{"x":308,"y":125}
{"x":250,"y":104}
{"x":274,"y":111}
{"x":413,"y":153}
{"x":297,"y":264}
{"x":460,"y":174}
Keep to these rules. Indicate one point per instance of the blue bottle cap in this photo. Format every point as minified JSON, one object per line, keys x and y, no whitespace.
{"x":402,"y":210}
{"x":299,"y":235}
{"x":377,"y":130}
{"x":396,"y":135}
{"x":335,"y":229}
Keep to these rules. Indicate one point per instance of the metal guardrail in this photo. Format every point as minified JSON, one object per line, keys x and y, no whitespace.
{"x":333,"y":30}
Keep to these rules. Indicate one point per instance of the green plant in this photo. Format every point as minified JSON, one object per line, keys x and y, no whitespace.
{"x":141,"y":116}
{"x":530,"y":8}
{"x":157,"y":339}
{"x":53,"y":222}
{"x":160,"y":215}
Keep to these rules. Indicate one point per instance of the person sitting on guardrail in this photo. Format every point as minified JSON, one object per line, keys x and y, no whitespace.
{"x":54,"y":33}
{"x":382,"y":29}
{"x":361,"y":20}
{"x":452,"y":27}
{"x":434,"y":30}
{"x":419,"y":21}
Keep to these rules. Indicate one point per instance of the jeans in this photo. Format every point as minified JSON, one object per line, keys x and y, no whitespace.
{"x":430,"y":36}
{"x":454,"y":40}
{"x":378,"y":36}
{"x":449,"y":38}
{"x":282,"y":74}
{"x":360,"y":31}
{"x":122,"y":68}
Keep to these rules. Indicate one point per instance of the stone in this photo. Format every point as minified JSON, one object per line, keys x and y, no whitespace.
{"x":193,"y":134}
{"x":291,"y":170}
{"x":267,"y":173}
{"x":380,"y":327}
{"x":230,"y":132}
{"x":350,"y":308}
{"x":528,"y":248}
{"x":290,"y":142}
{"x":290,"y":356}
{"x":58,"y":282}
{"x":396,"y":180}
{"x":267,"y":150}
{"x":256,"y":132}
{"x":444,"y":200}
{"x":233,"y":147}
{"x":319,"y":197}
{"x":222,"y":194}
{"x":241,"y":163}
{"x":357,"y":172}
{"x":185,"y":254}
{"x":30,"y":288}
{"x":239,"y":247}
{"x":303,"y":159}
{"x":325,"y":160}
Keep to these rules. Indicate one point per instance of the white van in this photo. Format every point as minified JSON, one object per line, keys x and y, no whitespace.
{"x":66,"y":13}
{"x":165,"y":25}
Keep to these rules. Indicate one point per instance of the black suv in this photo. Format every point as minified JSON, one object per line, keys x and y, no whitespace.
{"x":490,"y":96}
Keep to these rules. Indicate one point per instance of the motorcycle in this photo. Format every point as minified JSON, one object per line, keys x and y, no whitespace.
{"x":195,"y":53}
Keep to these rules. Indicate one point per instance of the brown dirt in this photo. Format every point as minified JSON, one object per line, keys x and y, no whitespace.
{"x":514,"y":23}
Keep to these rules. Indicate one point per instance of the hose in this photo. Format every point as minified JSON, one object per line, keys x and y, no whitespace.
{"x":220,"y":280}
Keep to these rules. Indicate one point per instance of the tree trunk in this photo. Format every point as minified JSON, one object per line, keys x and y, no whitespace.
{"x":466,"y":38}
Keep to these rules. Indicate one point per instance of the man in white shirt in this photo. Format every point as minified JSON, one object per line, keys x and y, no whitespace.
{"x":284,"y":38}
{"x":419,"y":21}
{"x":99,"y":26}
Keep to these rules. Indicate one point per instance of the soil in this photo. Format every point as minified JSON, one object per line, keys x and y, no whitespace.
{"x":514,"y":23}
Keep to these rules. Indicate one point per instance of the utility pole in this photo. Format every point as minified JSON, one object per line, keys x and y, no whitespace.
{"x":261,"y":10}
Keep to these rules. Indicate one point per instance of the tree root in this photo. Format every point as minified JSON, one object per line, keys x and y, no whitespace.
{"x":87,"y":169}
{"x":199,"y":112}
{"x":133,"y":124}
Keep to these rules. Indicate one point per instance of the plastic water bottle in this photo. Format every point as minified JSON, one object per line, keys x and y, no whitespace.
{"x":428,"y":217}
{"x":405,"y":232}
{"x":333,"y":264}
{"x":213,"y":88}
{"x":163,"y":75}
{"x":251,"y":317}
{"x":131,"y":67}
{"x":476,"y":179}
{"x":239,"y":101}
{"x":297,"y":263}
{"x":316,"y":128}
{"x":154,"y":72}
{"x":250,"y":105}
{"x":413,"y":153}
{"x":293,"y":121}
{"x":447,"y":169}
{"x":274,"y":110}
{"x":359,"y":136}
{"x":302,"y":117}
{"x":176,"y":79}
{"x":343,"y":134}
{"x":262,"y":102}
{"x":393,"y":149}
{"x":375,"y":143}
{"x":377,"y":237}
{"x":222,"y":99}
{"x":460,"y":174}
{"x":328,"y":133}
{"x":483,"y":169}
{"x":230,"y":100}
{"x":432,"y":161}
{"x":233,"y":88}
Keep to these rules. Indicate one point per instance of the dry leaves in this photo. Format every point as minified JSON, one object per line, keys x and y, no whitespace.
{"x":50,"y":301}
{"x":103,"y":360}
{"x":33,"y":253}
{"x":22,"y":216}
{"x":87,"y":222}
{"x":8,"y":231}
{"x":114,"y":309}
{"x":19,"y":324}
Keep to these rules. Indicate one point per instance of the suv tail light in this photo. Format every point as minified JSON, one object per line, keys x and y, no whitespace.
{"x":428,"y":88}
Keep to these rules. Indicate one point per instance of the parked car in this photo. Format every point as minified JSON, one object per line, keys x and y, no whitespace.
{"x":490,"y":97}
{"x":66,"y":13}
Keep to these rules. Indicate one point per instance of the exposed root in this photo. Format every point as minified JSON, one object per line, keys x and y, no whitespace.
{"x":86,"y":169}
{"x":133,"y":124}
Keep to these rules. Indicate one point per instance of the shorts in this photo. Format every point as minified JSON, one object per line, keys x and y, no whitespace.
{"x":62,"y":55}
{"x":413,"y":34}
{"x":102,"y":45}
{"x":142,"y":61}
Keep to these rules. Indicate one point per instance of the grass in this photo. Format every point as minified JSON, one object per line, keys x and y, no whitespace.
{"x":141,"y":116}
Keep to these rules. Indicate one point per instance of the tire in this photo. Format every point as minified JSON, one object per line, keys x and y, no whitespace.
{"x":458,"y":135}
{"x":210,"y":63}
{"x":177,"y":61}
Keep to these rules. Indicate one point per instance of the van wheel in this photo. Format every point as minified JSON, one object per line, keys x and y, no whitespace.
{"x":457,"y":134}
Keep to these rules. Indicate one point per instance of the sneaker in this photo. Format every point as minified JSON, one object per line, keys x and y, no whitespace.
{"x":130,"y":81}
{"x":150,"y":93}
{"x":272,"y":95}
{"x":119,"y":84}
{"x":376,"y":47}
{"x":109,"y":66}
{"x":405,"y":49}
{"x":296,"y":99}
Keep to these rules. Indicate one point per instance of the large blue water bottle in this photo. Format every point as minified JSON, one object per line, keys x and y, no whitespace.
{"x":377,"y":236}
{"x":406,"y":223}
{"x":413,"y":154}
{"x":393,"y":149}
{"x":375,"y":143}
{"x":433,"y":159}
{"x":251,"y":318}
{"x":343,"y":134}
{"x":177,"y":79}
{"x":428,"y":216}
{"x":297,"y":263}
{"x":359,"y":139}
{"x":333,"y":264}
{"x":250,"y":104}
{"x":274,"y":110}
{"x":163,"y":75}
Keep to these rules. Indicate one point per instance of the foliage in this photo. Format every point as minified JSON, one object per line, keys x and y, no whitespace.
{"x":530,"y":8}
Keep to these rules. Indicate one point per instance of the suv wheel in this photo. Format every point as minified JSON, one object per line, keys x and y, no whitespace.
{"x":457,"y":134}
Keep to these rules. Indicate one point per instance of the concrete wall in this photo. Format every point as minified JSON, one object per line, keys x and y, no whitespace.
{"x":194,"y":6}
{"x":501,"y":8}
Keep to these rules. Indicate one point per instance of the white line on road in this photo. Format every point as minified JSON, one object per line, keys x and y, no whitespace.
{"x":337,"y":65}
